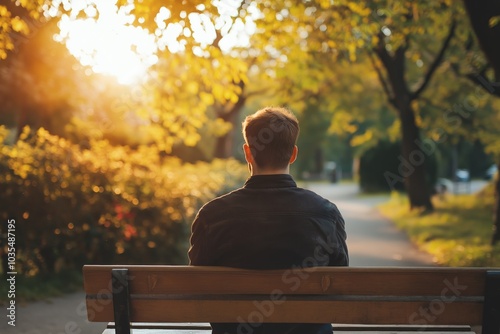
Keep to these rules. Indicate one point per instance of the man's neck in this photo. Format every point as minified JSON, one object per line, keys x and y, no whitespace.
{"x":256,"y":171}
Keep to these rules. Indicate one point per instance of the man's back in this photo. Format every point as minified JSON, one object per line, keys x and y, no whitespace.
{"x":269,"y":224}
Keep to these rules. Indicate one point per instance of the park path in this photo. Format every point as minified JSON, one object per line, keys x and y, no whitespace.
{"x":372,"y":241}
{"x":62,"y":315}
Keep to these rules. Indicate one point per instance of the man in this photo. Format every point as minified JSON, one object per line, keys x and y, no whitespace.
{"x":270,"y":223}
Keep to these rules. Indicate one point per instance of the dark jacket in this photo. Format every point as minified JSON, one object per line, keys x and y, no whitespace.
{"x":270,"y":223}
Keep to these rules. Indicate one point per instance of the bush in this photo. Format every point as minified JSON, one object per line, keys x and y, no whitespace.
{"x":375,"y":162}
{"x":384,"y":158}
{"x":101,"y":203}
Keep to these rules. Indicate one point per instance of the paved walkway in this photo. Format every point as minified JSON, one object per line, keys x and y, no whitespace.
{"x":63,"y":315}
{"x":372,"y":241}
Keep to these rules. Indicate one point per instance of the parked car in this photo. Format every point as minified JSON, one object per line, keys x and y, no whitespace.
{"x":491,"y":172}
{"x":462,"y":175}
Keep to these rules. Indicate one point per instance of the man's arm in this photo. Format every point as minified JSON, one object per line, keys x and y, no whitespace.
{"x":340,"y":255}
{"x":198,"y":252}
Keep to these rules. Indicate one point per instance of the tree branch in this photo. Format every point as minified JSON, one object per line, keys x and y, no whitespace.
{"x":479,"y":78}
{"x":436,"y":63}
{"x":380,"y":75}
{"x":482,"y":80}
{"x":431,"y":104}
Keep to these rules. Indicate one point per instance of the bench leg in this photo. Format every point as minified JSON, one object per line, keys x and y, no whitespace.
{"x":491,"y":308}
{"x":121,"y":300}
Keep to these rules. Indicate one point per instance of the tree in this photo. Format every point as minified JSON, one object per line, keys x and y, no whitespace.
{"x":210,"y":75}
{"x":401,"y":97}
{"x":406,"y":41}
{"x":484,"y":20}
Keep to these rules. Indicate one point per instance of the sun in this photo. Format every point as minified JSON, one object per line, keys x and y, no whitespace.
{"x":107,"y":42}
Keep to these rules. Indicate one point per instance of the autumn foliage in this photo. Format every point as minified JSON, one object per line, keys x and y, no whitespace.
{"x":98,"y":203}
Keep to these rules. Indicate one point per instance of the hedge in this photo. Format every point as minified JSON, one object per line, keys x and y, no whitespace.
{"x":98,"y":203}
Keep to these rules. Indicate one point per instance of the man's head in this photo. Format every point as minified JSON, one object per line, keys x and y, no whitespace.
{"x":270,"y":137}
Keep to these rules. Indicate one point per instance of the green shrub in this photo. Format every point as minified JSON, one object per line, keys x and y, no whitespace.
{"x":375,"y":162}
{"x":384,"y":159}
{"x":101,"y":203}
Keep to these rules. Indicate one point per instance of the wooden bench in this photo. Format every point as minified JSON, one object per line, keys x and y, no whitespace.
{"x":169,"y":299}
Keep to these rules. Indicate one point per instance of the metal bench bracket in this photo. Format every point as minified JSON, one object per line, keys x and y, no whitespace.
{"x":121,"y":300}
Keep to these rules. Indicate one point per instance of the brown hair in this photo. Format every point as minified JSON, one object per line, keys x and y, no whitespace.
{"x":271,"y":134}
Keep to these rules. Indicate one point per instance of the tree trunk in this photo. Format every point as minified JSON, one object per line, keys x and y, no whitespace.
{"x":318,"y":160}
{"x":496,"y":217}
{"x":412,"y":163}
{"x":412,"y":160}
{"x":480,"y":15}
{"x":225,"y":144}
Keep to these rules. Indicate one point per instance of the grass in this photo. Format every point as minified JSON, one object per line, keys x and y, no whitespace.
{"x":457,"y":233}
{"x":29,"y":289}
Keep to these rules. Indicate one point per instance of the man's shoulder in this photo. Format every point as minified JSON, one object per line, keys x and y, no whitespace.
{"x":221,"y":200}
{"x":319,"y":200}
{"x":312,"y":194}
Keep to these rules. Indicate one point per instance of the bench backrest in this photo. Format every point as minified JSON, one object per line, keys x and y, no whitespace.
{"x":349,"y":295}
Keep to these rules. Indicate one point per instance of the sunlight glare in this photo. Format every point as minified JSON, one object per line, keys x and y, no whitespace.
{"x":235,"y":32}
{"x":108,"y":43}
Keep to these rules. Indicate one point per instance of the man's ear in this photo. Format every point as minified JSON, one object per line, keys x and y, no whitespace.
{"x":294,"y":154}
{"x":248,"y":153}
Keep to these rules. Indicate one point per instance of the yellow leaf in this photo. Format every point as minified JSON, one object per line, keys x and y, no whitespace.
{"x":361,"y":139}
{"x":3,"y":11}
{"x":192,"y":139}
{"x":192,"y":87}
{"x":494,"y":21}
{"x":19,"y":25}
{"x":25,"y":133}
{"x":218,"y":92}
{"x":325,"y":4}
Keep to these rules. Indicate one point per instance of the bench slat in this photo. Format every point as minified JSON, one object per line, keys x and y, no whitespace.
{"x":209,"y":331}
{"x":169,"y":328}
{"x":439,"y":313}
{"x":327,"y":280}
{"x":341,"y":327}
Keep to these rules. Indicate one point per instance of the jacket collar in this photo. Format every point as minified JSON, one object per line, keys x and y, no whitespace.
{"x":270,"y":181}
